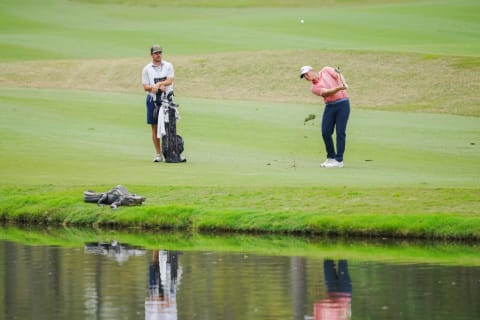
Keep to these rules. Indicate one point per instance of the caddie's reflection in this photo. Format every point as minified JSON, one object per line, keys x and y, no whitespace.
{"x":164,"y":274}
{"x":338,"y":303}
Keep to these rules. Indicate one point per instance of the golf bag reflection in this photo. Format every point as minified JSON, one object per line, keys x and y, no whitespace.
{"x":172,"y":144}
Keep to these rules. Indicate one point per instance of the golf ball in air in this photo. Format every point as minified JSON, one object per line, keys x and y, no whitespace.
{"x":302,"y":21}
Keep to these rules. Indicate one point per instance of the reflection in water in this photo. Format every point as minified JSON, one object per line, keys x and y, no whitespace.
{"x":94,"y":281}
{"x":118,"y":251}
{"x":164,"y":274}
{"x":338,"y":303}
{"x":88,"y":283}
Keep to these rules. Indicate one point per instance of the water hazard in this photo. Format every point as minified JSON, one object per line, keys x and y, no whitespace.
{"x":215,"y":278}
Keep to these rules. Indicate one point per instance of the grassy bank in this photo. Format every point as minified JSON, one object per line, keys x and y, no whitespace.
{"x":395,"y":212}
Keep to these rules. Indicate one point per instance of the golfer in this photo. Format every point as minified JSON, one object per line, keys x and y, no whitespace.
{"x":157,"y":76}
{"x":330,"y":84}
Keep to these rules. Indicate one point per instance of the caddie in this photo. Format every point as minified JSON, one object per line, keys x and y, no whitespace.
{"x":157,"y":76}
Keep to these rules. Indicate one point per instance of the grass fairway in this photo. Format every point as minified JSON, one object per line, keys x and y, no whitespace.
{"x":73,"y":115}
{"x":91,"y":138}
{"x":61,"y":29}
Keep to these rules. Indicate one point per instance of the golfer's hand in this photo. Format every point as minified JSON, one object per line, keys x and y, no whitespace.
{"x":154,"y":88}
{"x":162,"y":88}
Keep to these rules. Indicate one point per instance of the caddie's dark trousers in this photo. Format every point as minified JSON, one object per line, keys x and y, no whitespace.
{"x":335,"y":116}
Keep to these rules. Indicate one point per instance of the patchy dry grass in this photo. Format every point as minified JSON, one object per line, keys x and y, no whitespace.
{"x":401,"y":82}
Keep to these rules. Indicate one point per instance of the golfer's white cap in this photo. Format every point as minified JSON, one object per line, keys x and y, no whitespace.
{"x":304,"y":70}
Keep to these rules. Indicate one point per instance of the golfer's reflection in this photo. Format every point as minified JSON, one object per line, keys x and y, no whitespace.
{"x":338,"y":303}
{"x":164,"y":274}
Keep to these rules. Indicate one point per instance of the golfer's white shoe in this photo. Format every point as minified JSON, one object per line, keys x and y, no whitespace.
{"x":324,"y":164}
{"x":334,"y":164}
{"x":157,"y":159}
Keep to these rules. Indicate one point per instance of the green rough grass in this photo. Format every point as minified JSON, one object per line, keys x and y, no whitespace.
{"x":371,"y":212}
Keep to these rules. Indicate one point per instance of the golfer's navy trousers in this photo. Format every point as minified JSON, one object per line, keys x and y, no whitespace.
{"x":335,"y":116}
{"x":337,"y":281}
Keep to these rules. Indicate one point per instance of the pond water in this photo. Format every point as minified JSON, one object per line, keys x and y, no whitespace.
{"x":114,"y":280}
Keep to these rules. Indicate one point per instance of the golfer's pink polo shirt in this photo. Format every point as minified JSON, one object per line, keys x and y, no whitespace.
{"x":327,"y":80}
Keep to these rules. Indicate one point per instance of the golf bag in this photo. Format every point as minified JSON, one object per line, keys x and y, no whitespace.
{"x":172,"y":144}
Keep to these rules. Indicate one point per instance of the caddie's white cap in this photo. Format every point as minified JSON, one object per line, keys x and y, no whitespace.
{"x":155,"y":48}
{"x":304,"y":70}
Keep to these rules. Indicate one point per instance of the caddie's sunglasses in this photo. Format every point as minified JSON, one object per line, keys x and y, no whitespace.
{"x":158,"y":52}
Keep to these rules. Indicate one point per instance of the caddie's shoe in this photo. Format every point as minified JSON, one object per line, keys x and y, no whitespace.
{"x":334,"y":164}
{"x":324,"y":164}
{"x":158,"y":159}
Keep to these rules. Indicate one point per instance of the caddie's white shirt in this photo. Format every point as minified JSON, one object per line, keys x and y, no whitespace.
{"x":152,"y":74}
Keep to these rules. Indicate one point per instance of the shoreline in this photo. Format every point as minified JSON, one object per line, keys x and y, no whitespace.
{"x":359,"y":213}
